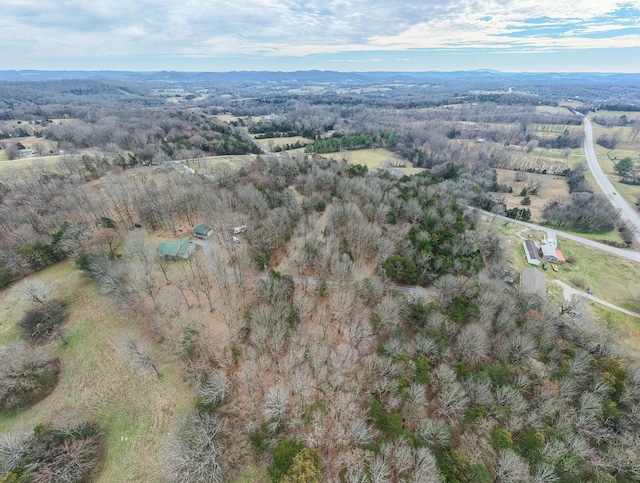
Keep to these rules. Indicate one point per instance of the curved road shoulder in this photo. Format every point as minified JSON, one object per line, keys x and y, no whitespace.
{"x":627,"y":212}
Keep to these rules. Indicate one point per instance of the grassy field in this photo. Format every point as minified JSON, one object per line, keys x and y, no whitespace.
{"x":265,"y":143}
{"x":631,"y":115}
{"x":96,"y":383}
{"x":28,"y":163}
{"x":372,"y":159}
{"x":606,"y":158}
{"x":553,"y":109}
{"x":213,"y":163}
{"x":227,"y":117}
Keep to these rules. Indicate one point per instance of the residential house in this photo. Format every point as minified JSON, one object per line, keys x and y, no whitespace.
{"x":549,"y":249}
{"x":174,"y":250}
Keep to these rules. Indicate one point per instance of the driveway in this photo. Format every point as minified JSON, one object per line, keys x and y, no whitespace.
{"x":569,"y":292}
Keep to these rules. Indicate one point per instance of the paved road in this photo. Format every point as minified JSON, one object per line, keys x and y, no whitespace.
{"x":621,"y":252}
{"x":627,"y":212}
{"x":569,"y":292}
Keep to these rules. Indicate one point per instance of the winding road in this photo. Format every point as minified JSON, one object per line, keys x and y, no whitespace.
{"x":627,"y":212}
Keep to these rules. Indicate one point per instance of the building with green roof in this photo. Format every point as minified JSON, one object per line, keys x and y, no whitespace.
{"x":202,"y":231}
{"x":181,"y":249}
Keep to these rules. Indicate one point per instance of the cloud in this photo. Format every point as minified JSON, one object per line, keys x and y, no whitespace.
{"x":35,"y":29}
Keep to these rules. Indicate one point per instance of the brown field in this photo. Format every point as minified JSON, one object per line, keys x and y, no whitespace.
{"x":553,"y":187}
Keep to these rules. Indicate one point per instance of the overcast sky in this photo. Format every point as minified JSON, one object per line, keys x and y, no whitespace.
{"x":343,"y":35}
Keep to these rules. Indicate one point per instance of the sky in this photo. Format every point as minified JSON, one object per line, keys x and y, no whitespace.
{"x":341,"y":35}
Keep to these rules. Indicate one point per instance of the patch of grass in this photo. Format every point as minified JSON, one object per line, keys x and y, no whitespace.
{"x":372,"y":159}
{"x":629,"y":192}
{"x":626,"y":326}
{"x":282,"y":141}
{"x":254,"y":474}
{"x":204,"y":165}
{"x":9,"y":330}
{"x":227,"y":117}
{"x":29,"y":163}
{"x":552,"y":109}
{"x":613,"y":279}
{"x":135,"y":410}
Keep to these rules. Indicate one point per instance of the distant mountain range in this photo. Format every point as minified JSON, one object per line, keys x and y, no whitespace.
{"x":315,"y":76}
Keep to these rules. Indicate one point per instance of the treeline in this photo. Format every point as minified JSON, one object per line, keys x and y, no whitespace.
{"x":54,"y":99}
{"x":337,"y":143}
{"x":584,"y":212}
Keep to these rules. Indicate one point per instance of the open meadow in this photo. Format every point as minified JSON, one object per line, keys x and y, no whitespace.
{"x":97,"y":382}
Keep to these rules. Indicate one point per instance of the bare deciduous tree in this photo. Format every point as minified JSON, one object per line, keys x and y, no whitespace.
{"x":138,"y":353}
{"x":194,"y":449}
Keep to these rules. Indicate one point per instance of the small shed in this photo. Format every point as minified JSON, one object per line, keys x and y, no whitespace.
{"x":181,"y":249}
{"x":202,"y":231}
{"x":533,"y":282}
{"x":531,"y":252}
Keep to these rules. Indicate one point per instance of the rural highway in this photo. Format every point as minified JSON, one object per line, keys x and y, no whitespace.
{"x":627,"y":212}
{"x":629,"y":254}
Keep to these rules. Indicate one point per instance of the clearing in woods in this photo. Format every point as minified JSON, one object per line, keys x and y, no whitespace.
{"x":96,"y":383}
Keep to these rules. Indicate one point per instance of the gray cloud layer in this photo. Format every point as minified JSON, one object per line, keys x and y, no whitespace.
{"x":30,"y":29}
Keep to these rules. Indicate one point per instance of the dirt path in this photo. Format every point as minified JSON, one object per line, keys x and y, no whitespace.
{"x":569,"y":292}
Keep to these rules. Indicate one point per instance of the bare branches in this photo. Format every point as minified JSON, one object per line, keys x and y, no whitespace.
{"x":193,"y":450}
{"x":138,"y":353}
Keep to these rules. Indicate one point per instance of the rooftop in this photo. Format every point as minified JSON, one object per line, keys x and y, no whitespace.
{"x":533,"y":282}
{"x":174,"y":249}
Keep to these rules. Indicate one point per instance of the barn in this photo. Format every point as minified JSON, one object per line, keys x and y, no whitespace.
{"x":533,"y":282}
{"x":531,"y":251}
